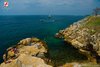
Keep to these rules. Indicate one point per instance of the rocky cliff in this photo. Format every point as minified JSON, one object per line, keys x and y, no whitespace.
{"x":29,"y":52}
{"x":85,"y":36}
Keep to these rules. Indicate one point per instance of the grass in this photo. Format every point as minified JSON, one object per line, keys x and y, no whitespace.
{"x":93,"y":21}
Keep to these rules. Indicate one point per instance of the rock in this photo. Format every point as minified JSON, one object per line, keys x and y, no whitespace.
{"x":76,"y":64}
{"x":71,"y":65}
{"x":26,"y":61}
{"x":84,"y":36}
{"x":25,"y":41}
{"x":28,"y":53}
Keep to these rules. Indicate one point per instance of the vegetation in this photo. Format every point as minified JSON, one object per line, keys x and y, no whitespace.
{"x":94,"y":21}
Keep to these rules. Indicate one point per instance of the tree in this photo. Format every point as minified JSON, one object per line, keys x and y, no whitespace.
{"x":96,"y":11}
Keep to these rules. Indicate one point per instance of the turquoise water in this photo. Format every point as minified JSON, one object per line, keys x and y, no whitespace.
{"x":15,"y":28}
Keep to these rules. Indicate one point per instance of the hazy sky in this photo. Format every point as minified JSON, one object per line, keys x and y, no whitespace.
{"x":45,"y":7}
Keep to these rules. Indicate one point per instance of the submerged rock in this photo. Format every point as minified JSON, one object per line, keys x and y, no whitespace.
{"x":85,"y":36}
{"x":29,"y":52}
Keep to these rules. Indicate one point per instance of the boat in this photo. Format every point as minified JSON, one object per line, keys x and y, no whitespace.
{"x":48,"y":19}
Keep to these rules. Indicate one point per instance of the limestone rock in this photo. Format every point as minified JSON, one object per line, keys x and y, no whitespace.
{"x":26,"y":61}
{"x":28,"y":52}
{"x":85,"y":36}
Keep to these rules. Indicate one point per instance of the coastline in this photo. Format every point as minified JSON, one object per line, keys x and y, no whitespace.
{"x":64,"y":33}
{"x":84,"y":36}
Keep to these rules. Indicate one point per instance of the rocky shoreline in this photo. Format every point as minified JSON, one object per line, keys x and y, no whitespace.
{"x":29,"y":52}
{"x":85,"y":36}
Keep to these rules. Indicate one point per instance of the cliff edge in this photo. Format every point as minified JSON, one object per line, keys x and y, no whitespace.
{"x":85,"y":36}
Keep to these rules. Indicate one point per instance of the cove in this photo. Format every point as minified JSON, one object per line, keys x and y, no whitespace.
{"x":15,"y":28}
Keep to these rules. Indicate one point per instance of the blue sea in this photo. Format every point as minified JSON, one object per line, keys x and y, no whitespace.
{"x":14,"y":28}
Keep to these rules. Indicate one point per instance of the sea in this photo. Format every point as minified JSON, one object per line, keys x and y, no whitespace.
{"x":14,"y":28}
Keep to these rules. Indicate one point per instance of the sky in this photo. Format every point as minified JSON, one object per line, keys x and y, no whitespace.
{"x":46,"y":7}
